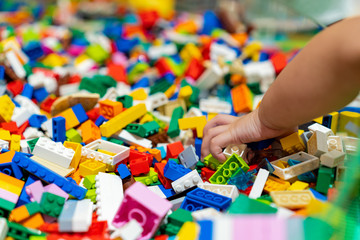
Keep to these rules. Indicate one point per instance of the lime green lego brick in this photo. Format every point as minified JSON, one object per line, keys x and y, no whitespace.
{"x":126,"y":100}
{"x":73,"y":136}
{"x":89,"y":182}
{"x":33,"y":208}
{"x":149,"y":178}
{"x":244,"y":205}
{"x":97,"y":53}
{"x":231,"y":165}
{"x":158,"y":121}
{"x":19,"y":232}
{"x":91,"y":194}
{"x":37,"y":238}
{"x":174,"y":130}
{"x":160,"y":86}
{"x":139,"y":68}
{"x":31,"y":143}
{"x":316,"y":229}
{"x":211,"y":162}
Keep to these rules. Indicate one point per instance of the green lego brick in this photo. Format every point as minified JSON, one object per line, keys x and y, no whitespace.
{"x":31,"y":143}
{"x":19,"y":232}
{"x":231,"y":165}
{"x":97,"y":84}
{"x":134,"y":128}
{"x":91,"y":194}
{"x":158,"y":121}
{"x":51,"y":204}
{"x":149,"y":178}
{"x":174,"y":130}
{"x":316,"y":229}
{"x":27,"y":69}
{"x":255,"y":88}
{"x":200,"y":165}
{"x":155,"y":183}
{"x":73,"y":136}
{"x":114,"y":140}
{"x":150,"y":128}
{"x":325,"y":180}
{"x":211,"y":162}
{"x":179,"y":217}
{"x":171,"y":229}
{"x":126,"y":100}
{"x":160,"y":86}
{"x":244,"y":205}
{"x":33,"y":208}
{"x":89,"y":182}
{"x":5,"y":208}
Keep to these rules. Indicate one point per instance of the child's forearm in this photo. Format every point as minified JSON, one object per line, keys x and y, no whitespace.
{"x":323,"y":77}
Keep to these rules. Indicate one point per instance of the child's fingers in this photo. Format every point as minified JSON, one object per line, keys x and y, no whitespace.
{"x":213,"y":132}
{"x":218,"y":143}
{"x":220,"y":119}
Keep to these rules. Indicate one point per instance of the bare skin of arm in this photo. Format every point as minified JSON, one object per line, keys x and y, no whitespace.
{"x":323,"y":77}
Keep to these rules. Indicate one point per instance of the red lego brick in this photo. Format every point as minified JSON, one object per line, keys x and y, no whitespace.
{"x":23,"y":127}
{"x":134,"y":154}
{"x":74,"y":79}
{"x":174,"y":149}
{"x":195,"y":69}
{"x":279,"y":61}
{"x":159,"y":168}
{"x":139,"y":166}
{"x":206,"y":173}
{"x":10,"y":126}
{"x":161,"y":237}
{"x":117,"y":72}
{"x":15,"y":87}
{"x":47,"y":103}
{"x":148,"y":18}
{"x":162,"y":66}
{"x":93,"y":114}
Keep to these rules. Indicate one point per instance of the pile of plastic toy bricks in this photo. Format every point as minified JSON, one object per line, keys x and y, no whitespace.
{"x":102,"y":124}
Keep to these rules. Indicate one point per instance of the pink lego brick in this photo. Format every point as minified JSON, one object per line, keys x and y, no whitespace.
{"x":255,"y":227}
{"x":9,"y":196}
{"x":146,"y":207}
{"x":52,"y":188}
{"x":35,"y":191}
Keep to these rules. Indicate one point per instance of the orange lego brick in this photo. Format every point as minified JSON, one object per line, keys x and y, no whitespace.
{"x":110,"y":109}
{"x":89,"y":131}
{"x":7,"y":157}
{"x":35,"y":221}
{"x":70,"y":117}
{"x":11,"y":184}
{"x":77,"y":156}
{"x":241,"y":98}
{"x":15,"y":142}
{"x":91,"y":167}
{"x":18,"y":214}
{"x":193,"y":122}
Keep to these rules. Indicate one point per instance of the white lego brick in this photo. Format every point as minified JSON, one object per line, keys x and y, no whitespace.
{"x":156,"y":52}
{"x":110,"y":94}
{"x":123,"y":89}
{"x":21,"y":115}
{"x":259,"y":184}
{"x":350,"y":144}
{"x":15,"y":64}
{"x":157,"y":190}
{"x":32,"y":132}
{"x":109,"y":195}
{"x":317,"y":143}
{"x":335,"y":143}
{"x":130,"y":231}
{"x":187,"y":181}
{"x":36,"y":80}
{"x":3,"y":228}
{"x":215,"y":105}
{"x":132,"y":139}
{"x":206,"y":213}
{"x":121,"y":152}
{"x":332,"y":159}
{"x":5,"y":144}
{"x":98,"y":38}
{"x":27,"y":103}
{"x":68,"y":89}
{"x":156,"y":100}
{"x":188,"y":157}
{"x":259,"y":72}
{"x":53,"y":152}
{"x":318,"y":127}
{"x":193,"y":112}
{"x":210,"y":77}
{"x":221,"y":50}
{"x":76,"y":216}
{"x":85,"y":66}
{"x":47,"y":127}
{"x":24,"y":147}
{"x":230,"y":191}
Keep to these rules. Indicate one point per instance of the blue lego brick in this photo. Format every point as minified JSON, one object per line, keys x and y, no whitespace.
{"x":33,"y":50}
{"x":2,"y":72}
{"x":242,"y":180}
{"x":100,"y":120}
{"x":24,"y":197}
{"x":174,"y":171}
{"x":261,"y":144}
{"x":80,"y":113}
{"x":16,"y":103}
{"x":143,"y":82}
{"x":36,"y":120}
{"x":28,"y":91}
{"x":126,"y":45}
{"x":211,"y":22}
{"x":58,"y":129}
{"x":167,"y":192}
{"x":11,"y":169}
{"x":162,"y":151}
{"x":318,"y":195}
{"x":123,"y":171}
{"x":213,"y":199}
{"x":48,"y":176}
{"x":193,"y":205}
{"x":198,"y":142}
{"x":206,"y":229}
{"x":169,"y":77}
{"x":327,"y":121}
{"x":40,"y":94}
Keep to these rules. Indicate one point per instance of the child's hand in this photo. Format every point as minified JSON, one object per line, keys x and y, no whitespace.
{"x":224,"y":130}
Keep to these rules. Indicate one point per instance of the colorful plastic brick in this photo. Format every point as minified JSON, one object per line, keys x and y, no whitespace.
{"x":173,"y":130}
{"x":214,"y":200}
{"x":292,"y":143}
{"x":275,"y":184}
{"x":292,"y":199}
{"x":139,"y":166}
{"x":7,"y":108}
{"x":59,"y":132}
{"x":211,"y":162}
{"x":187,"y":181}
{"x":174,"y":171}
{"x":159,"y":168}
{"x":241,"y":98}
{"x":110,"y":109}
{"x":15,"y":142}
{"x":51,"y":204}
{"x":21,"y":213}
{"x":188,"y":157}
{"x":149,"y":178}
{"x":174,"y":149}
{"x":91,"y":167}
{"x":148,"y":208}
{"x":123,"y":171}
{"x":325,"y":180}
{"x":332,"y":159}
{"x":298,"y":186}
{"x":76,"y":216}
{"x":197,"y":123}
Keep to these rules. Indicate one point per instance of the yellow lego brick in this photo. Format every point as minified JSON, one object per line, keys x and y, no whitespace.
{"x":106,"y":152}
{"x":318,"y":120}
{"x":7,"y":108}
{"x":251,"y":49}
{"x":211,"y":116}
{"x":70,"y":118}
{"x":317,"y":207}
{"x":91,"y":167}
{"x":298,"y":185}
{"x":11,"y":184}
{"x":275,"y":184}
{"x":122,"y":120}
{"x":300,"y":131}
{"x":190,"y":51}
{"x":292,"y":143}
{"x":193,"y":122}
{"x":292,"y":199}
{"x":334,"y":121}
{"x":54,"y":60}
{"x":188,"y":231}
{"x":80,"y":59}
{"x":171,"y":91}
{"x":5,"y":135}
{"x":77,"y":156}
{"x":282,"y":164}
{"x":139,"y":94}
{"x":146,"y":118}
{"x":349,"y":122}
{"x":185,"y":92}
{"x":15,"y":142}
